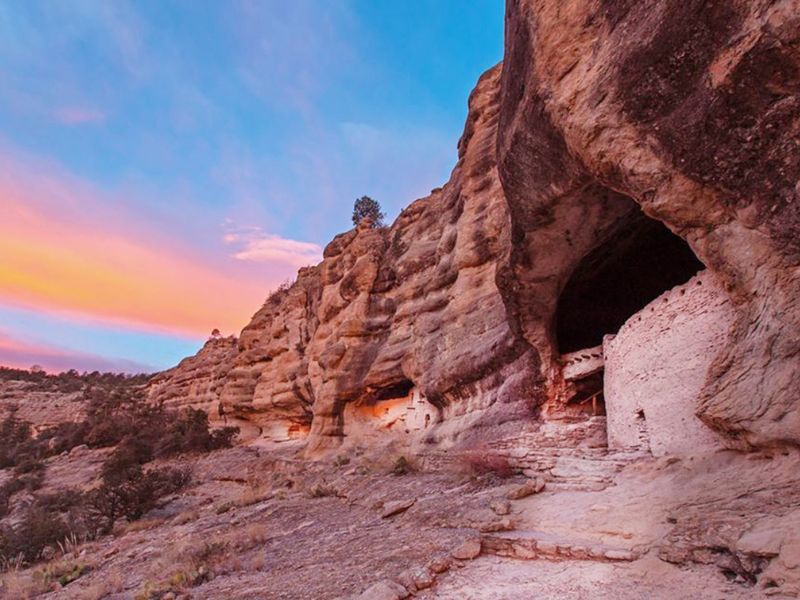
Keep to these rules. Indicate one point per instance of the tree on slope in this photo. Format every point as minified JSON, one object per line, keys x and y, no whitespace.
{"x":367,"y":208}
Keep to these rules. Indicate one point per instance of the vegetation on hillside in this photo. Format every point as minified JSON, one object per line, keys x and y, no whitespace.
{"x":116,"y":417}
{"x":72,"y":380}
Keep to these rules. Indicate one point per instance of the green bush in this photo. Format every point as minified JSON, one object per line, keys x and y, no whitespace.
{"x":190,"y":433}
{"x":130,"y":493}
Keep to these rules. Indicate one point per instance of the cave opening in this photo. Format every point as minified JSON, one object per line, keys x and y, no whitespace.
{"x":401,"y":389}
{"x":639,"y":261}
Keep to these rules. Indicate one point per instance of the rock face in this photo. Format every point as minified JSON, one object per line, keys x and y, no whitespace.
{"x":620,"y":148}
{"x":691,"y":109}
{"x":197,"y":380}
{"x":398,"y":320}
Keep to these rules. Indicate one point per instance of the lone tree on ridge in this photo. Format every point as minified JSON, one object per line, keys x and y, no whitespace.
{"x":367,"y":208}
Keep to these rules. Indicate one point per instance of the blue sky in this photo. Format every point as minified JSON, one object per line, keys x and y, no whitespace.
{"x":226,"y":140}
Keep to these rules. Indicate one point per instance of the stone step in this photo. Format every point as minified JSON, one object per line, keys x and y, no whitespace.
{"x":537,"y":545}
{"x":577,"y":486}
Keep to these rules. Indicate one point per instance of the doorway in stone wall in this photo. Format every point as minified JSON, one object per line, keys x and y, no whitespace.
{"x":637,"y":262}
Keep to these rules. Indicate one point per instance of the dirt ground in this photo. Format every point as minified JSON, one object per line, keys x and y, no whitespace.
{"x":259,"y":522}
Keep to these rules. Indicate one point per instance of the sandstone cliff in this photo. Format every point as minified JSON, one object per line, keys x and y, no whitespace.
{"x":691,"y":109}
{"x":606,"y":122}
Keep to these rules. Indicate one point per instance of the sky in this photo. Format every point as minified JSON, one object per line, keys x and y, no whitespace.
{"x":165,"y":164}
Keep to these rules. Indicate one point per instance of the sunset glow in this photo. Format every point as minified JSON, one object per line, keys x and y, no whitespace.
{"x":156,"y":185}
{"x":66,"y":248}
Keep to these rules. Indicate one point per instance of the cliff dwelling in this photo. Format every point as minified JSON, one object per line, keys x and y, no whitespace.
{"x":638,"y":314}
{"x":399,"y":410}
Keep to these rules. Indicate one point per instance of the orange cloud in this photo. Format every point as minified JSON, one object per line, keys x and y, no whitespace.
{"x":68,"y":247}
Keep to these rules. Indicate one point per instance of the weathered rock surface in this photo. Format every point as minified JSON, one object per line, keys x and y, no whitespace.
{"x":606,"y":121}
{"x":529,"y":488}
{"x":394,"y":317}
{"x":691,"y":109}
{"x":197,"y":380}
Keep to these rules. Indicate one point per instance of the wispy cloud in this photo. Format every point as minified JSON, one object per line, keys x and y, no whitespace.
{"x":257,"y":246}
{"x":78,"y":115}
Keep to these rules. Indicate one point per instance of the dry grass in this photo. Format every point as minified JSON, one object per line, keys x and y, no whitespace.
{"x":186,"y":516}
{"x":191,"y":561}
{"x":21,"y":585}
{"x":141,"y":525}
{"x":254,"y":493}
{"x":96,"y":590}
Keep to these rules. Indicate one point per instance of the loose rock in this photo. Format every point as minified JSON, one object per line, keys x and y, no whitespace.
{"x":468,"y":550}
{"x":395,"y":508}
{"x":384,"y":590}
{"x":530,"y":487}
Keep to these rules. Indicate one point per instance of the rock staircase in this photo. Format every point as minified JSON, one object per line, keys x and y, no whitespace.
{"x":571,"y":455}
{"x":536,"y":545}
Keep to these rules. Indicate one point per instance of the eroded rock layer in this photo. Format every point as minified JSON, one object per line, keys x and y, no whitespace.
{"x":410,"y":310}
{"x":622,"y":147}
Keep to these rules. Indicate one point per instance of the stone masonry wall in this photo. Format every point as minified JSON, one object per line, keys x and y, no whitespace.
{"x":656,"y":367}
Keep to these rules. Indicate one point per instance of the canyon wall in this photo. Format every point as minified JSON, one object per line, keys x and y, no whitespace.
{"x":605,"y":121}
{"x":411,"y":309}
{"x":692,"y":109}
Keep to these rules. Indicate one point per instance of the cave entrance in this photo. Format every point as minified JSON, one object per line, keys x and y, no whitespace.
{"x":636,"y":263}
{"x":639,"y":261}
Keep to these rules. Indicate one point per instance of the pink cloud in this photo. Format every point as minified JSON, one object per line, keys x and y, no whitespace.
{"x":18,"y":354}
{"x":76,"y":115}
{"x":257,"y":246}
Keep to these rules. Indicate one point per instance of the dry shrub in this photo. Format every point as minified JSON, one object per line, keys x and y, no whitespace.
{"x":403,"y":466}
{"x":15,"y":584}
{"x":321,"y":490}
{"x":254,"y":493}
{"x":249,"y":536}
{"x":184,"y":564}
{"x":36,"y":530}
{"x":63,"y":572}
{"x":96,"y":590}
{"x":482,"y":460}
